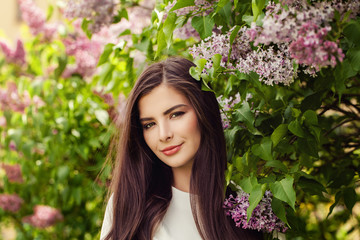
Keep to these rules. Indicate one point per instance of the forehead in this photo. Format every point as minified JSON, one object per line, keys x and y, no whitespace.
{"x":160,"y":99}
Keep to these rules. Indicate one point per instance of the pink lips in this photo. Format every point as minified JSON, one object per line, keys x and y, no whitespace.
{"x":171,"y":150}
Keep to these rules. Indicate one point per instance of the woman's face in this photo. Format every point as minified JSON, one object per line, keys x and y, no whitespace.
{"x":170,"y":126}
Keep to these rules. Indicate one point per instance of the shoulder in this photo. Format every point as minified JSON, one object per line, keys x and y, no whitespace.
{"x":108,"y":218}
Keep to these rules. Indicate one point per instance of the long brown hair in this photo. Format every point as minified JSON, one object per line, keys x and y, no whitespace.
{"x":142,"y":183}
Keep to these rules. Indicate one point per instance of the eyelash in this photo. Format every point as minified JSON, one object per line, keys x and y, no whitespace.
{"x":173,"y":115}
{"x":176,"y":114}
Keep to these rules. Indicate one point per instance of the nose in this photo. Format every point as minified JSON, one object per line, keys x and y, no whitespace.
{"x":165,"y":132}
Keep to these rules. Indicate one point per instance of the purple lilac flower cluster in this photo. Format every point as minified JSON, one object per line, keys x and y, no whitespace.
{"x":219,"y":43}
{"x":13,"y":172}
{"x":187,"y":31}
{"x":10,"y":202}
{"x":16,"y":56}
{"x":36,"y":19}
{"x":226,"y":105}
{"x":43,"y":217}
{"x":304,"y":30}
{"x":262,"y":218}
{"x":11,"y":99}
{"x":100,"y":12}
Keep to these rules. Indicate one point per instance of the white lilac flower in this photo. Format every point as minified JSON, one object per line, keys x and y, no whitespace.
{"x":272,"y":66}
{"x":226,"y":108}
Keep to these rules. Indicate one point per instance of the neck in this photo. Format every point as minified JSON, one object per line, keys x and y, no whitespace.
{"x":182,"y":177}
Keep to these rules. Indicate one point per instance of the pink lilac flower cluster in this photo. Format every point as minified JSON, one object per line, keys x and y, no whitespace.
{"x":35,"y":18}
{"x":219,"y":43}
{"x":226,"y":105}
{"x":13,"y":172}
{"x":86,"y":51}
{"x":304,"y":30}
{"x":187,"y":31}
{"x":10,"y":98}
{"x":100,"y":12}
{"x":311,"y":48}
{"x":10,"y":202}
{"x":262,"y":218}
{"x":16,"y":56}
{"x":43,"y":217}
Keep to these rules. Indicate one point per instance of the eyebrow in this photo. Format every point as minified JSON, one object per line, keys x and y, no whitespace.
{"x":165,"y":113}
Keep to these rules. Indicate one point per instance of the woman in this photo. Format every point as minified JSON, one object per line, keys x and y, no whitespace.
{"x":169,"y":178}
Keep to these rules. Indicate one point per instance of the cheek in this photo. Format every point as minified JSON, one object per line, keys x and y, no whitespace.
{"x":148,"y":138}
{"x":193,"y":128}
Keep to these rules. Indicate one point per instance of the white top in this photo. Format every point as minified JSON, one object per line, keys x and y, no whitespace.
{"x":177,"y":224}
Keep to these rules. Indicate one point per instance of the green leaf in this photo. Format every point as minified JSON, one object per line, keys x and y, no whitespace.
{"x":349,"y":198}
{"x":248,"y":19}
{"x":354,"y":57}
{"x":311,"y":117}
{"x":169,"y":27}
{"x":311,"y":186}
{"x":295,"y":128}
{"x":352,"y":33}
{"x":228,"y":173}
{"x":284,"y":191}
{"x":247,"y":184}
{"x":102,"y":116}
{"x":337,"y":199}
{"x":63,"y":172}
{"x":279,"y":209}
{"x":122,"y":13}
{"x":50,"y":12}
{"x":276,"y":164}
{"x":263,"y":150}
{"x":195,"y":72}
{"x":312,"y":101}
{"x":182,"y":4}
{"x":85,"y":27}
{"x":234,"y":33}
{"x":161,"y":43}
{"x":256,"y":195}
{"x":221,"y":4}
{"x":216,"y":62}
{"x":257,"y":7}
{"x":309,"y":146}
{"x":203,"y":25}
{"x":244,"y":114}
{"x":61,"y":67}
{"x":108,"y":49}
{"x":279,"y":133}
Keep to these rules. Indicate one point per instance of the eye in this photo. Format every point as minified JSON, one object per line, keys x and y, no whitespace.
{"x":148,"y":125}
{"x":176,"y":114}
